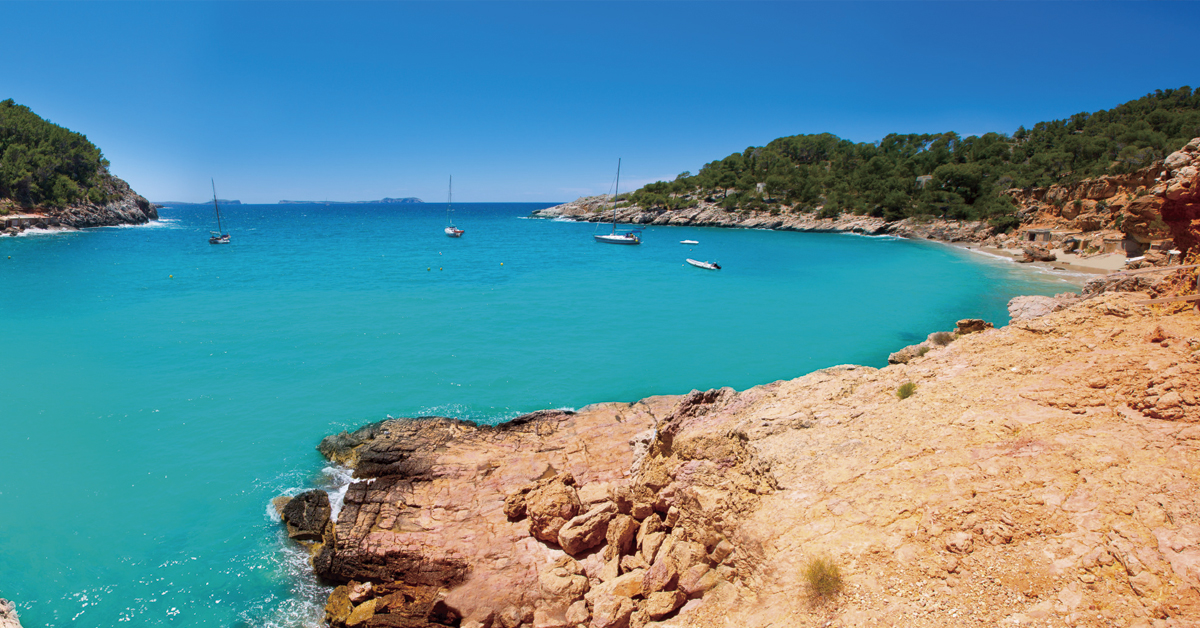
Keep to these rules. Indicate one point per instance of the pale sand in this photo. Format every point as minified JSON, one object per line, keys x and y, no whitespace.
{"x":1095,"y":264}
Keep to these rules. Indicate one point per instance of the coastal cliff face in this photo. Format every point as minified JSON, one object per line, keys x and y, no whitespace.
{"x":1158,"y":202}
{"x":1042,"y":474}
{"x":129,"y":208}
{"x":1161,"y":201}
{"x":598,"y":209}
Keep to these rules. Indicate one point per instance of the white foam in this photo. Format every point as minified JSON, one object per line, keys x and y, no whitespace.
{"x":38,"y":231}
{"x":304,"y":607}
{"x":1073,"y":276}
{"x":883,"y":236}
{"x":339,"y":478}
{"x":161,"y":223}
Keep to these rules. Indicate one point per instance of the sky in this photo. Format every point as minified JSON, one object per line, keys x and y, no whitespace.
{"x":537,"y":101}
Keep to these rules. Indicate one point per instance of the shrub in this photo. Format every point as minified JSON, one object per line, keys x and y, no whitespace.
{"x":942,"y":338}
{"x":824,"y":578}
{"x":829,"y":211}
{"x":906,"y":390}
{"x":922,"y":351}
{"x":1005,"y":224}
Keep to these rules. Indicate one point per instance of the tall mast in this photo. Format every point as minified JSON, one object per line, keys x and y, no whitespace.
{"x":616,"y":193}
{"x":449,"y":195}
{"x":216,"y":208}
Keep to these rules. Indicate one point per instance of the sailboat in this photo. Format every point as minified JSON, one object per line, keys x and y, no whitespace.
{"x":450,"y":230}
{"x":623,"y":237}
{"x":217,"y":237}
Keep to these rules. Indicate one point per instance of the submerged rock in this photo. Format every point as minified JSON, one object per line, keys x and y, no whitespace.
{"x":307,"y":516}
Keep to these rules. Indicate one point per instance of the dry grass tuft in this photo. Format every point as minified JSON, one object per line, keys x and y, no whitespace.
{"x":824,"y":579}
{"x":906,"y":390}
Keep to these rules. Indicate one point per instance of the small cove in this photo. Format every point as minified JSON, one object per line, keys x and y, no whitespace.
{"x":160,"y":390}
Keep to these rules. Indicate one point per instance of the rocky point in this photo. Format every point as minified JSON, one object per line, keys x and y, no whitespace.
{"x":1041,"y":474}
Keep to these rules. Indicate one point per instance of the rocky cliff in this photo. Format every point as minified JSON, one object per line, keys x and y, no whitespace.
{"x":1161,"y":202}
{"x":1041,"y":473}
{"x":705,"y":214}
{"x":128,"y":208}
{"x":1158,"y":202}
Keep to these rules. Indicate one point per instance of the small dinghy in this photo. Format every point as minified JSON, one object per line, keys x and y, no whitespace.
{"x":688,"y":242}
{"x":706,"y":265}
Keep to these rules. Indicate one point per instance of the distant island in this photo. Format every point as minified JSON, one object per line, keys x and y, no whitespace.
{"x":409,"y":199}
{"x":209,"y":202}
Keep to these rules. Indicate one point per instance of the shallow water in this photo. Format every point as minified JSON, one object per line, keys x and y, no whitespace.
{"x":159,"y":391}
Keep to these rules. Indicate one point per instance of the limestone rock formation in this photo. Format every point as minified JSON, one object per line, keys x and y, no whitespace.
{"x":8,"y":614}
{"x":307,"y":516}
{"x":1027,"y":307}
{"x":1039,"y":254}
{"x":1043,"y":476}
{"x":127,"y":208}
{"x":1161,"y":201}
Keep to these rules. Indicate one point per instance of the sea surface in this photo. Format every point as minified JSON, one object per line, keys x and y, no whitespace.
{"x":157,"y":391}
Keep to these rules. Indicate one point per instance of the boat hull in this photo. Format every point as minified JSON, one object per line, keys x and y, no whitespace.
{"x":618,"y":239}
{"x":219,"y":240}
{"x":454,"y":233}
{"x":704,"y":265}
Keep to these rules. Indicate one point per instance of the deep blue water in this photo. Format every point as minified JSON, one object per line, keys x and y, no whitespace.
{"x":157,"y":391}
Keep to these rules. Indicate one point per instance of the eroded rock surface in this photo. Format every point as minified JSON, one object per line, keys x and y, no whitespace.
{"x":1042,"y":474}
{"x":8,"y":614}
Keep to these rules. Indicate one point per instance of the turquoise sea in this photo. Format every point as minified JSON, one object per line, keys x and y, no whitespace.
{"x":157,"y":391}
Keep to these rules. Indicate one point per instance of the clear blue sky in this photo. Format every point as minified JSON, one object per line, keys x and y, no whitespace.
{"x":536,"y":101}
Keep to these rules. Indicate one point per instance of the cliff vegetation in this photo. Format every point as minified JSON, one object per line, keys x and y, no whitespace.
{"x":43,"y":164}
{"x":935,"y":175}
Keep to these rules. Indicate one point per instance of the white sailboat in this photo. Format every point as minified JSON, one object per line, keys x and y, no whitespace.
{"x":216,"y":237}
{"x":450,"y":228}
{"x":623,"y":237}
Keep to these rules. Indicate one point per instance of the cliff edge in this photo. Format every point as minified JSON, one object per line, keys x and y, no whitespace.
{"x":126,"y":208}
{"x":1038,"y":474}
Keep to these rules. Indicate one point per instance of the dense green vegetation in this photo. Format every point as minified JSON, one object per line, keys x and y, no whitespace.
{"x":43,"y":164}
{"x":940,"y":175}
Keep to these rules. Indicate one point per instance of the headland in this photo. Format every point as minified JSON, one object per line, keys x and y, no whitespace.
{"x":1036,"y":474}
{"x":1096,"y":225}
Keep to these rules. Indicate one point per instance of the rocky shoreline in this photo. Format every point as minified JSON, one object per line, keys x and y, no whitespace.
{"x":129,"y":208}
{"x":708,"y":214}
{"x":1041,"y":473}
{"x":1147,"y":212}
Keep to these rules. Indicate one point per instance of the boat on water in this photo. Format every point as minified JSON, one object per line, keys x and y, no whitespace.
{"x":688,"y":242}
{"x":619,"y":237}
{"x":707,"y":265}
{"x":451,"y":230}
{"x":217,"y":237}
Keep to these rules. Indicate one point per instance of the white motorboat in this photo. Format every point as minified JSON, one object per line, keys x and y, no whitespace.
{"x":688,"y":242}
{"x":706,"y":265}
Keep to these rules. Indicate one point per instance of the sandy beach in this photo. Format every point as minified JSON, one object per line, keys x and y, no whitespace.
{"x":1095,"y":264}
